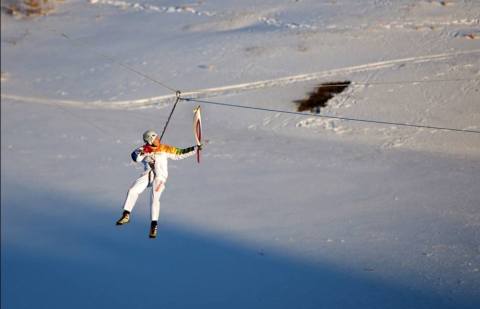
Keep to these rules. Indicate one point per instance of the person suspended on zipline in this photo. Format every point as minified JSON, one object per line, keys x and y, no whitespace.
{"x":154,"y":157}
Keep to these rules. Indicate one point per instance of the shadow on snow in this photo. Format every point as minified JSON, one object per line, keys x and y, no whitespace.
{"x":66,"y":252}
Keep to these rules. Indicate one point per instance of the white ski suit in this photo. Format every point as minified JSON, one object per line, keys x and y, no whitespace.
{"x":155,"y":161}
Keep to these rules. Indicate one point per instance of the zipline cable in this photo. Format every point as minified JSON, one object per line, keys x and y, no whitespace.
{"x":177,"y":92}
{"x":331,"y":117}
{"x":221,"y":91}
{"x":334,"y":84}
{"x":123,"y":65}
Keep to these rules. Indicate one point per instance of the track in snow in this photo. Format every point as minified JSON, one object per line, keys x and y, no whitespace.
{"x":238,"y":88}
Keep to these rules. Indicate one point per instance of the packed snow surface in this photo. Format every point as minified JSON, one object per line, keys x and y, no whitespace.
{"x":284,"y":210}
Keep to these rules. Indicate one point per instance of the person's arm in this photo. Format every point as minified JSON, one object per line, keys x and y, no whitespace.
{"x":138,"y":154}
{"x":175,"y":153}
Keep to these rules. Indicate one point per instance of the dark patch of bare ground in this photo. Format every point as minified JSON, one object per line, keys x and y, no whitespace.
{"x":321,"y":95}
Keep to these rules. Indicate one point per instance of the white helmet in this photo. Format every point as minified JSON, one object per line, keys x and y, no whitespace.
{"x":149,"y":136}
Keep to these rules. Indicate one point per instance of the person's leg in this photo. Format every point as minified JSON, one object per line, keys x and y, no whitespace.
{"x":157,"y":189}
{"x":138,"y":187}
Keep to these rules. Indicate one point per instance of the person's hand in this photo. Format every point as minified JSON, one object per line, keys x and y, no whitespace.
{"x":149,"y":158}
{"x":199,"y":147}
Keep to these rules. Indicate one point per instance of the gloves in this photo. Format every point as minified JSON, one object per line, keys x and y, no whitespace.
{"x":149,"y":158}
{"x":199,"y":147}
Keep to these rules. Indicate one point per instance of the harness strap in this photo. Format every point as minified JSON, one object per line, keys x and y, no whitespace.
{"x":178,"y":93}
{"x":151,"y":173}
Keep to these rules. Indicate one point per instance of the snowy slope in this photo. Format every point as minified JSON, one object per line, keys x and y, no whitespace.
{"x":285,"y":211}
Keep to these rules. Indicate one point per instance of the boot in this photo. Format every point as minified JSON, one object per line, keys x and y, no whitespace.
{"x":153,"y":229}
{"x":125,"y":218}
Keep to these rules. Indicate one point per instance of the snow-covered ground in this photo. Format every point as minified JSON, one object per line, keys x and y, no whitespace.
{"x":284,"y":211}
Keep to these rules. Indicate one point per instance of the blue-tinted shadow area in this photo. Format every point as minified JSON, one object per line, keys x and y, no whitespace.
{"x":65,"y":252}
